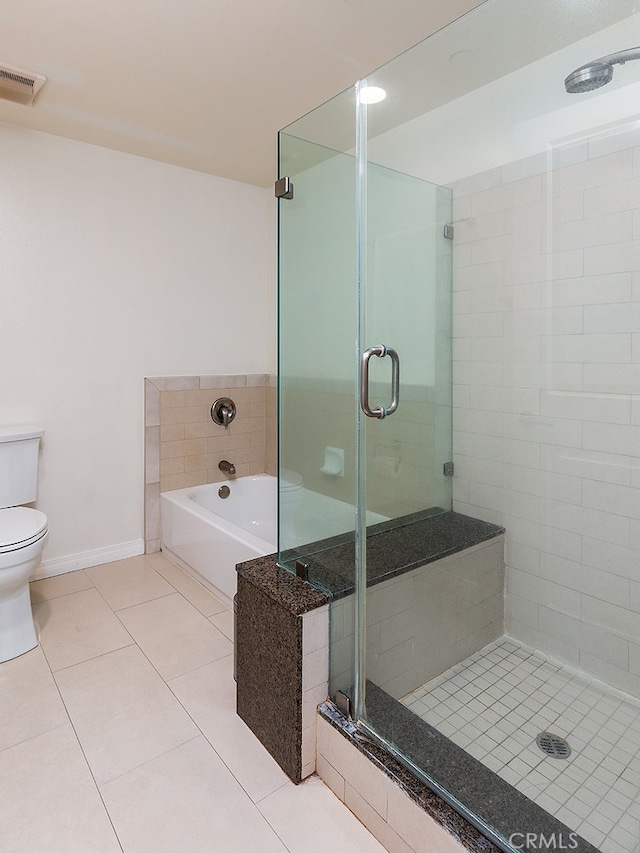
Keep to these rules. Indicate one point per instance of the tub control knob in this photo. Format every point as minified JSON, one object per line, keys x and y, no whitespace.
{"x":224,"y":492}
{"x":223,"y":411}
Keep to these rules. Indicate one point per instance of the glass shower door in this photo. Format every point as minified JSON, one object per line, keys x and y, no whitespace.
{"x":317,"y":322}
{"x":413,"y":607}
{"x":404,"y":455}
{"x":406,"y":303}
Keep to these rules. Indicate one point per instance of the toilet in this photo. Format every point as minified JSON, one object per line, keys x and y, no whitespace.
{"x":23,"y":533}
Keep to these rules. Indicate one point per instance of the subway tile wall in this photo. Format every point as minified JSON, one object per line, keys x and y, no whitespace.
{"x":424,"y":621}
{"x":404,"y":453}
{"x":315,"y":680}
{"x":183,"y":446}
{"x":547,"y":392}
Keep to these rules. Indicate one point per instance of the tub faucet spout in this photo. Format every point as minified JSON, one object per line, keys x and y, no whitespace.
{"x":227,"y":467}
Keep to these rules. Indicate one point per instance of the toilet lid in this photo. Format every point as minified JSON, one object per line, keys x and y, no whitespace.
{"x":20,"y":526}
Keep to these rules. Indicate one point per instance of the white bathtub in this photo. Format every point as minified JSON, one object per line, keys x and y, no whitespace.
{"x":208,"y":535}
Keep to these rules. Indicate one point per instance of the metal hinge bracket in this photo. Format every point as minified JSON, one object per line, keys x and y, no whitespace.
{"x":283,"y":188}
{"x":447,"y":469}
{"x":448,"y":232}
{"x":343,"y":704}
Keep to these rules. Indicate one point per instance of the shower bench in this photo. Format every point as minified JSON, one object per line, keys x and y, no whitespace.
{"x":283,"y":641}
{"x":283,"y":649}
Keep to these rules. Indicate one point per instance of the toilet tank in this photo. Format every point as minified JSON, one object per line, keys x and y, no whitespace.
{"x":19,"y":464}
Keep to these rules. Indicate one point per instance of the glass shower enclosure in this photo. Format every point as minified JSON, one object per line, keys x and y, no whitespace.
{"x":459,"y":415}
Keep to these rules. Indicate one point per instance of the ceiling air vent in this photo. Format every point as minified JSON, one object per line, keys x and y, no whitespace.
{"x":18,"y":85}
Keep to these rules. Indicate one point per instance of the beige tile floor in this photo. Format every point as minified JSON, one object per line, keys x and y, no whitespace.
{"x":119,"y":731}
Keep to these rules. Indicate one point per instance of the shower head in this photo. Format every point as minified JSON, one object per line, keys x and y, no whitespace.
{"x":599,"y":72}
{"x":589,"y":77}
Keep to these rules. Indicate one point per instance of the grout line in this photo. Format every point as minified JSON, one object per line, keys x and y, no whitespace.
{"x":198,"y":730}
{"x":71,"y":723}
{"x":542,"y":780}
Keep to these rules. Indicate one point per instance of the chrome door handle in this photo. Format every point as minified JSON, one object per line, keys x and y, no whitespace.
{"x":380,"y":350}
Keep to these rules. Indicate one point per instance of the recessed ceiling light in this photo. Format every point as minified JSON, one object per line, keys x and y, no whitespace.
{"x":372,"y":95}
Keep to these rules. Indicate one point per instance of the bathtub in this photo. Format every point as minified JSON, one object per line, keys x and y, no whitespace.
{"x":208,"y":535}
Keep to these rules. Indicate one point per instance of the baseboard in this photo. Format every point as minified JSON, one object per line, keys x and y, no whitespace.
{"x":86,"y":559}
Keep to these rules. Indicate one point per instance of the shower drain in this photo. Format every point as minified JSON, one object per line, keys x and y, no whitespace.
{"x":553,"y":745}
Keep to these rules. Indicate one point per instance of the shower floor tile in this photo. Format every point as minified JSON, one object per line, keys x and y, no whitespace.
{"x":496,"y":702}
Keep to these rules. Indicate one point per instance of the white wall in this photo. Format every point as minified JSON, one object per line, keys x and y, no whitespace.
{"x":113,"y":268}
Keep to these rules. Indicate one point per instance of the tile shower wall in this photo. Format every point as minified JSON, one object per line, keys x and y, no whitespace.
{"x":183,"y":446}
{"x":547,"y":392}
{"x":404,"y":470}
{"x":318,"y":325}
{"x":424,"y":621}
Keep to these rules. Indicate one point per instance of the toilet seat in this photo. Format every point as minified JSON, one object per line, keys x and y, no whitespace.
{"x":20,"y":526}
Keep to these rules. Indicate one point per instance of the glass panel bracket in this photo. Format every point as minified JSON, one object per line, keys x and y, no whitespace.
{"x":343,"y":704}
{"x":283,"y":188}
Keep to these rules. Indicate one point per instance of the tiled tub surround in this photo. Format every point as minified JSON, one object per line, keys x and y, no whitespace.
{"x":495,"y":703}
{"x":547,"y":393}
{"x":183,"y":446}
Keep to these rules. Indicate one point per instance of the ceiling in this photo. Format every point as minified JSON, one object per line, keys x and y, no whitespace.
{"x":204,"y":84}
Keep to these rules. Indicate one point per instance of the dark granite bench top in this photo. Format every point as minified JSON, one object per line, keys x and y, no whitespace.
{"x":281,"y":586}
{"x":393,"y":547}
